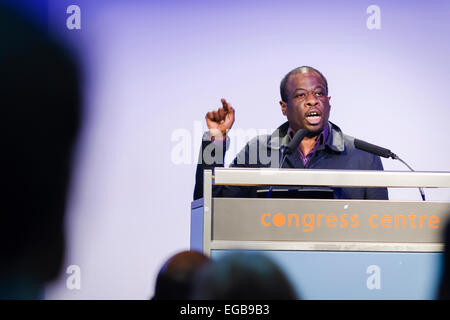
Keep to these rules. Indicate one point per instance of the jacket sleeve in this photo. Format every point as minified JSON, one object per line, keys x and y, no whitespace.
{"x":376,"y":193}
{"x":212,"y":154}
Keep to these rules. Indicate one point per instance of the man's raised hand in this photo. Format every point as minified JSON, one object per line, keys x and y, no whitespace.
{"x":220,"y":120}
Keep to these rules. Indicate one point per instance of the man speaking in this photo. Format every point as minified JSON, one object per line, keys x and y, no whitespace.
{"x":306,"y":105}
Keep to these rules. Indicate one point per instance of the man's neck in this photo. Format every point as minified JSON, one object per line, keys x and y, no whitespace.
{"x":307,"y":144}
{"x":309,"y":141}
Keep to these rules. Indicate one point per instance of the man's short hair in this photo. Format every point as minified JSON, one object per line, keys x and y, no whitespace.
{"x":302,"y":69}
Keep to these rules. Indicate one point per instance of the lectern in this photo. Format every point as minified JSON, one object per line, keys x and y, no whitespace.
{"x":331,"y":249}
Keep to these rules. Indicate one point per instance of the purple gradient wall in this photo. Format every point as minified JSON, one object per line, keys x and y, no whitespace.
{"x":154,"y":68}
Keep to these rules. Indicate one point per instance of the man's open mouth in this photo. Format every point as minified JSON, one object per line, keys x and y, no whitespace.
{"x":313,"y":117}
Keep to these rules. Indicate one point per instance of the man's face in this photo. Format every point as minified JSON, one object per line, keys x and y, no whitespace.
{"x":308,"y":105}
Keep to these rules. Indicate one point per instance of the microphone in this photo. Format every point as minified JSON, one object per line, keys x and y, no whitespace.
{"x":295,"y":141}
{"x":371,"y":148}
{"x":383,"y":152}
{"x":288,"y":149}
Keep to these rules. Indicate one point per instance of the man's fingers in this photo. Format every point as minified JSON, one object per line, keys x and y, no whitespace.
{"x":222,"y":113}
{"x":226,"y":106}
{"x":230,"y":114}
{"x":216,"y":116}
{"x":222,"y":118}
{"x":231,"y":110}
{"x":209,"y":116}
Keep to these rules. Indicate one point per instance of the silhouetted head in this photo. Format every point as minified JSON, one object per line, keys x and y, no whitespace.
{"x":175,"y":279}
{"x":39,"y":97}
{"x":243,"y":276}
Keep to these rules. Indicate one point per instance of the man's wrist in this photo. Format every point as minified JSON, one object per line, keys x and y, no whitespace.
{"x":217,"y":135}
{"x":221,"y":140}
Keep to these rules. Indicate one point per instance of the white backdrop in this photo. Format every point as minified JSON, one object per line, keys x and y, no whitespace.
{"x":154,"y":68}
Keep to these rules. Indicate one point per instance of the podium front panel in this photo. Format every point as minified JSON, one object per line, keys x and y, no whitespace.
{"x":341,"y":221}
{"x":319,"y":275}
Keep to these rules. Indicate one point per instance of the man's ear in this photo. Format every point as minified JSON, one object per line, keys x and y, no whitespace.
{"x":283,"y":107}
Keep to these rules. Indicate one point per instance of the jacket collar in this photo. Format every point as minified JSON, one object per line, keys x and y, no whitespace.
{"x":280,"y":137}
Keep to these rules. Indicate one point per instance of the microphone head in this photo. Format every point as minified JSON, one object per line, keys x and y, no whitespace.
{"x":295,"y":141}
{"x":371,"y":148}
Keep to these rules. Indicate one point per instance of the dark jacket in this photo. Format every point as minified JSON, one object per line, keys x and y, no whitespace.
{"x":338,"y":152}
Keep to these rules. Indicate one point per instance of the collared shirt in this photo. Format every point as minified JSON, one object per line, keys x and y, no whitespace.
{"x":319,"y":141}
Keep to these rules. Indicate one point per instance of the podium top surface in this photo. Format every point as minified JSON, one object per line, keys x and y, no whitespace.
{"x":327,"y":177}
